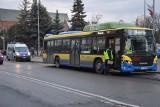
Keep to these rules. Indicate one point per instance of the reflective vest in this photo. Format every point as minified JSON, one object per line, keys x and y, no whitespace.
{"x":129,"y":52}
{"x":108,"y":55}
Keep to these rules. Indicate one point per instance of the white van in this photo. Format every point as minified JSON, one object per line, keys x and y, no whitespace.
{"x":18,"y":51}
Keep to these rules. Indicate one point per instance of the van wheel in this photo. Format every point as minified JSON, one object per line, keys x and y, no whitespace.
{"x":98,"y":66}
{"x":8,"y":59}
{"x":15,"y":59}
{"x":57,"y":62}
{"x":29,"y":60}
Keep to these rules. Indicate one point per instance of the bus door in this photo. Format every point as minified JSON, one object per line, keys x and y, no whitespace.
{"x":50,"y":52}
{"x":75,"y":52}
{"x":115,"y":44}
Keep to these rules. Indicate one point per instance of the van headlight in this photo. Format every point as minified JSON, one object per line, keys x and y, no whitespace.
{"x":17,"y":54}
{"x":29,"y":53}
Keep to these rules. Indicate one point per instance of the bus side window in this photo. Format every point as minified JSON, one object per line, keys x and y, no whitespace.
{"x":86,"y":45}
{"x":100,"y":45}
{"x":66,"y":46}
{"x":94,"y":46}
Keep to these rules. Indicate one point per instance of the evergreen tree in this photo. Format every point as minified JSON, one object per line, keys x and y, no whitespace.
{"x":12,"y":33}
{"x":23,"y":24}
{"x":44,"y":22}
{"x":77,"y":20}
{"x":57,"y":26}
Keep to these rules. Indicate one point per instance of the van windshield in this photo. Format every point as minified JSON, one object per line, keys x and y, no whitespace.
{"x":21,"y":49}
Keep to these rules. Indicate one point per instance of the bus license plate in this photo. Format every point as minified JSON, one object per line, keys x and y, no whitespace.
{"x":143,"y":68}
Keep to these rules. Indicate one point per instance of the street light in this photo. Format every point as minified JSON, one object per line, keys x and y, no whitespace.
{"x":37,"y":3}
{"x":38,"y":30}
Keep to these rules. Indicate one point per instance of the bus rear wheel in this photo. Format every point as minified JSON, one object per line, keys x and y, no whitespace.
{"x":57,"y":62}
{"x":98,"y":66}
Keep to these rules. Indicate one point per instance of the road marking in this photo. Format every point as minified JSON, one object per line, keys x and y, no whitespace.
{"x":71,"y":90}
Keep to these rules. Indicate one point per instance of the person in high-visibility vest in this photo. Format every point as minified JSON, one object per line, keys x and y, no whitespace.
{"x":108,"y":55}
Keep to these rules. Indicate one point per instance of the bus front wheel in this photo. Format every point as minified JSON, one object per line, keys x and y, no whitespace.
{"x":98,"y":66}
{"x":57,"y":62}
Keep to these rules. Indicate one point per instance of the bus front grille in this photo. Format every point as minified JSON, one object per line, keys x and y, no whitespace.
{"x":142,"y":61}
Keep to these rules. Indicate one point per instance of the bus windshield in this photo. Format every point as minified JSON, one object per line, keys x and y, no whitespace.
{"x":139,"y":40}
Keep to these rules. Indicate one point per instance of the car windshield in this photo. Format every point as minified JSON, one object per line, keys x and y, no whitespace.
{"x":21,"y":49}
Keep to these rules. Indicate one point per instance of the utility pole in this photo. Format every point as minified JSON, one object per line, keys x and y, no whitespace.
{"x":144,"y":13}
{"x":154,"y":16}
{"x":38,"y":30}
{"x":38,"y":36}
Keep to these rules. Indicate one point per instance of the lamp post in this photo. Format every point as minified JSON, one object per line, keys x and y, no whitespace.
{"x":38,"y":30}
{"x":38,"y":36}
{"x":3,"y":37}
{"x":154,"y":16}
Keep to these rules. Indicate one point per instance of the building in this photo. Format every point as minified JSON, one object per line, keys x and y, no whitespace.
{"x":8,"y":17}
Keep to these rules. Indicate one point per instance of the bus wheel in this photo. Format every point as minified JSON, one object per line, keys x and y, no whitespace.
{"x":57,"y":62}
{"x":98,"y":66}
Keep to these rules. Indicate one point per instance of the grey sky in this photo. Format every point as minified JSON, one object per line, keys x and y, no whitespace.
{"x":111,"y":10}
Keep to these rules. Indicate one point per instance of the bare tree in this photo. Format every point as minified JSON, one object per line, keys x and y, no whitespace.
{"x":96,"y":18}
{"x":149,"y":24}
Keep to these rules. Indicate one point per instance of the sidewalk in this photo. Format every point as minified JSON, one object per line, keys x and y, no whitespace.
{"x":37,"y":59}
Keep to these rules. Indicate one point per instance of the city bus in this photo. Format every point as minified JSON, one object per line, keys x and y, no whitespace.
{"x":134,"y":48}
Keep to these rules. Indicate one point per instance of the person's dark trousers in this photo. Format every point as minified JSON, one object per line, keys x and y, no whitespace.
{"x":106,"y":70}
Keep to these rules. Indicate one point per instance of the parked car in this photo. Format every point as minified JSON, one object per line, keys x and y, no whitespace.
{"x":158,"y":50}
{"x":1,"y":58}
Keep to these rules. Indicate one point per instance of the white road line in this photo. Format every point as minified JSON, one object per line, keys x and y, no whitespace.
{"x":68,"y":89}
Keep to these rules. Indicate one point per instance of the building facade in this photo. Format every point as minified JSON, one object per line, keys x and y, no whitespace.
{"x":8,"y":17}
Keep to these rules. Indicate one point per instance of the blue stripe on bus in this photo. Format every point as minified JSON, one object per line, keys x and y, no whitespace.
{"x":64,"y":62}
{"x":86,"y":64}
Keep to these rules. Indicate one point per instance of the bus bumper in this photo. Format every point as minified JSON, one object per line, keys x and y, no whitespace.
{"x":130,"y":68}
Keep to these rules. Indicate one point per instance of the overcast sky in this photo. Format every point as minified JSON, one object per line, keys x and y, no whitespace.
{"x":110,"y":10}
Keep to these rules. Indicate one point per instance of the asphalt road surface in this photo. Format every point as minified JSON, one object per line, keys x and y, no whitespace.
{"x":28,"y":84}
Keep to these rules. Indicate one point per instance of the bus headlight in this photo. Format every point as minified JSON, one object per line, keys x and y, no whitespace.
{"x":155,"y":62}
{"x":129,"y":62}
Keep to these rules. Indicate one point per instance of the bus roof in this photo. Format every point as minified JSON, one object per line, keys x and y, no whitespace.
{"x":89,"y":29}
{"x":105,"y":26}
{"x":67,"y":35}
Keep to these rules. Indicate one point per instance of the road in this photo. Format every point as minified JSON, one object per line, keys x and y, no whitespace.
{"x":30,"y":84}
